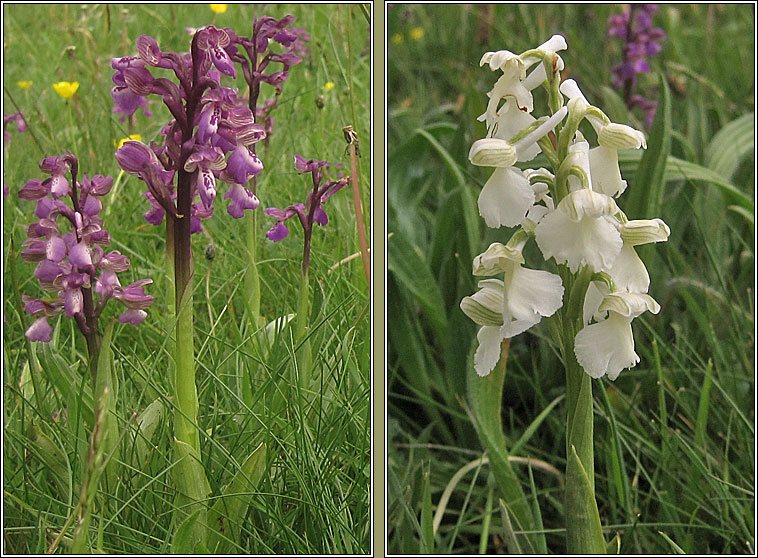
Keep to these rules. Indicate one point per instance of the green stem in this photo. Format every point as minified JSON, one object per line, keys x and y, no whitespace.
{"x":252,"y":280}
{"x":583,"y":528}
{"x":301,"y":331}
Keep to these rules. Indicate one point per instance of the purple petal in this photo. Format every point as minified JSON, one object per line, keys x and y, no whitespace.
{"x":132,"y":316}
{"x":33,"y":190}
{"x":242,"y":199}
{"x":319,"y":216}
{"x":55,"y":249}
{"x":40,"y":330}
{"x":47,"y":272}
{"x":277,"y":232}
{"x":242,"y":165}
{"x":206,"y":185}
{"x":80,"y":256}
{"x":92,"y":206}
{"x":115,"y":261}
{"x":73,"y":302}
{"x":58,"y":185}
{"x":105,"y":284}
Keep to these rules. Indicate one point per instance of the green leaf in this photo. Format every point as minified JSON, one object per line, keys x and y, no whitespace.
{"x":584,"y":532}
{"x":406,"y":262}
{"x":427,"y":525}
{"x":702,"y":408}
{"x":191,"y":484}
{"x":730,"y":144}
{"x":511,"y":540}
{"x":676,"y":548}
{"x":51,"y":454}
{"x":647,"y":193}
{"x":485,"y":396}
{"x":678,"y":169}
{"x":229,"y":509}
{"x":614,"y":545}
{"x":188,"y":535}
{"x":67,"y":381}
{"x":147,"y":422}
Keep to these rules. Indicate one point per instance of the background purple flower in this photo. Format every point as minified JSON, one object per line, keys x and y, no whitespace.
{"x":641,"y":41}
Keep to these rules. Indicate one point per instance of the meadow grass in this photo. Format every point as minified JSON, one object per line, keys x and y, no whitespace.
{"x":314,"y":496}
{"x":674,"y":436}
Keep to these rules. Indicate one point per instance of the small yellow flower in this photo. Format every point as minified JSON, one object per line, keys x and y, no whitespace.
{"x":66,"y":89}
{"x":397,"y":38}
{"x":25,"y":84}
{"x":417,"y":33}
{"x":218,"y":8}
{"x":328,"y":86}
{"x":121,"y":142}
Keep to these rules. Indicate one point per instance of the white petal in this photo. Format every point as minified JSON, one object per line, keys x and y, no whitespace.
{"x":485,"y":307}
{"x":628,"y":272}
{"x":505,"y":198}
{"x":594,"y":242}
{"x":488,"y":353}
{"x":629,"y":305}
{"x":525,"y":144}
{"x":585,"y":203}
{"x":533,"y":293}
{"x":578,"y":155}
{"x":592,"y":300}
{"x":606,"y":176}
{"x":606,"y":347}
{"x":509,"y":122}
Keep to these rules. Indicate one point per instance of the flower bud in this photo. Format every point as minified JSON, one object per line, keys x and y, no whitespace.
{"x":492,"y":152}
{"x":621,"y":136}
{"x":496,"y":259}
{"x":644,"y":231}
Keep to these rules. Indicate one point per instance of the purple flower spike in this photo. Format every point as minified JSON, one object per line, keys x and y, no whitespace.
{"x":69,"y":263}
{"x":641,"y":41}
{"x":15,"y":118}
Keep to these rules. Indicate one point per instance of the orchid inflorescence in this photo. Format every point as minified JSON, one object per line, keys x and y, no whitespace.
{"x":196,"y":100}
{"x":312,"y":210}
{"x":642,"y":41}
{"x":74,"y":263}
{"x":570,"y":212}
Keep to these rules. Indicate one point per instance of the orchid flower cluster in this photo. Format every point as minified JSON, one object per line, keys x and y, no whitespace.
{"x":571,"y":212}
{"x":641,"y":42}
{"x":267,"y":32}
{"x":74,"y":263}
{"x":312,"y":210}
{"x":223,"y":127}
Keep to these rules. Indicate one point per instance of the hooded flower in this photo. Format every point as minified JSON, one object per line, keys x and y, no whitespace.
{"x":511,"y":306}
{"x":607,"y":347}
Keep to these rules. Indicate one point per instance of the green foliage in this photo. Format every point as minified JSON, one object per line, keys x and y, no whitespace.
{"x":658,"y":467}
{"x":314,"y":497}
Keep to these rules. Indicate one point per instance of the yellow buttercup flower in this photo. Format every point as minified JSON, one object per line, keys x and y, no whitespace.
{"x":121,"y":142}
{"x":24,"y":84}
{"x":328,"y":86}
{"x":218,"y":8}
{"x":66,"y":89}
{"x":397,"y":38}
{"x":417,"y":33}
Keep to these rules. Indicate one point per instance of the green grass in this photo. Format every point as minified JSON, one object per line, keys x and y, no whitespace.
{"x":314,"y":496}
{"x":674,"y":436}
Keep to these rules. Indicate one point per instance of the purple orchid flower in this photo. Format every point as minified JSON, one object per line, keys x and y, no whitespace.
{"x":311,"y":211}
{"x":16,"y":118}
{"x":72,"y":263}
{"x":641,"y":41}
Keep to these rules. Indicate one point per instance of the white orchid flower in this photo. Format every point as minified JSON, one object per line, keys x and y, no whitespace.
{"x":611,"y":138}
{"x":607,"y":347}
{"x":507,"y":195}
{"x":514,"y":85}
{"x":581,"y":231}
{"x":525,"y":297}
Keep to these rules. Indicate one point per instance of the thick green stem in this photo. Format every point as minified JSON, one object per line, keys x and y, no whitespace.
{"x":583,"y":528}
